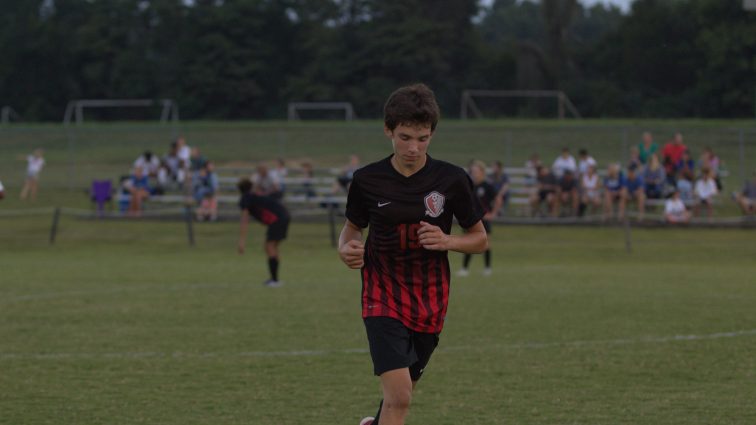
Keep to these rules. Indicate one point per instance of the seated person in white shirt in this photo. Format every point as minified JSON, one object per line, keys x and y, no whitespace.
{"x":704,"y":191}
{"x":675,"y":210}
{"x":564,"y":162}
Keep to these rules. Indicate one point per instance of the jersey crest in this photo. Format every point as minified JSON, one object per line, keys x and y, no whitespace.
{"x":434,"y":204}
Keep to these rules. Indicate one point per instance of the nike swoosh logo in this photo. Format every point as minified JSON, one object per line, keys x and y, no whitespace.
{"x":383,"y":204}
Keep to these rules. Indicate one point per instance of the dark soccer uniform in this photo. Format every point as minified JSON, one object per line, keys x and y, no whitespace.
{"x":486,"y":194}
{"x":400,"y":278}
{"x":269,"y":212}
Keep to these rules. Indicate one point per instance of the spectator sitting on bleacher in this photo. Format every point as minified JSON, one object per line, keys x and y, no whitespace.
{"x":567,"y":193}
{"x":308,"y":180}
{"x":635,"y":161}
{"x":279,"y":173}
{"x":747,"y":197}
{"x":172,"y":169}
{"x":647,"y":147}
{"x":614,"y":185}
{"x":149,"y":163}
{"x":653,"y":177}
{"x":635,"y":190}
{"x":705,"y":190}
{"x":205,"y":192}
{"x":671,"y":155}
{"x":196,"y":160}
{"x":711,"y":161}
{"x":685,"y":186}
{"x":591,"y":192}
{"x":500,"y":181}
{"x":139,"y":189}
{"x":347,"y":173}
{"x":585,"y":161}
{"x":675,"y":210}
{"x":546,"y":189}
{"x":531,"y":166}
{"x":183,"y":151}
{"x":564,"y":162}
{"x":265,"y":184}
{"x":686,"y":163}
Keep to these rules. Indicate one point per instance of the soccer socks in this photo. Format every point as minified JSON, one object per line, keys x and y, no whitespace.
{"x":378,"y":414}
{"x":487,"y":258}
{"x":466,"y":261}
{"x":273,"y":267}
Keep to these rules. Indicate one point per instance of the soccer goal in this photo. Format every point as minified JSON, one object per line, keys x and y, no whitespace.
{"x":749,"y":5}
{"x":471,"y":100}
{"x":321,"y":110}
{"x":75,"y":109}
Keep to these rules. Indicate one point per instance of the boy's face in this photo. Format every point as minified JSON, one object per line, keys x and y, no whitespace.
{"x":410,"y":143}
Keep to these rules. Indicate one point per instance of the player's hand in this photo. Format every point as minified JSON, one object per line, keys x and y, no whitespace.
{"x":240,"y":248}
{"x":488,"y":217}
{"x":352,"y":254}
{"x":432,"y":237}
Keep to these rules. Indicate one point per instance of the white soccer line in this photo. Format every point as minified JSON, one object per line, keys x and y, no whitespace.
{"x":178,"y":355}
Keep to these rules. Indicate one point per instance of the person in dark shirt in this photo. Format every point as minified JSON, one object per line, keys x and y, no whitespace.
{"x":269,"y":212}
{"x":568,"y":192}
{"x":546,"y":188}
{"x":491,"y":201}
{"x":408,"y":200}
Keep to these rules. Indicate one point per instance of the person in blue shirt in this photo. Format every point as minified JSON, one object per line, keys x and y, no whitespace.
{"x":635,"y":190}
{"x":138,"y":186}
{"x":614,"y":185}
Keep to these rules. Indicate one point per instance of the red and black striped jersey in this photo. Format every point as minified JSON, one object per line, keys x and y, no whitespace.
{"x":264,"y":209}
{"x":400,"y":279}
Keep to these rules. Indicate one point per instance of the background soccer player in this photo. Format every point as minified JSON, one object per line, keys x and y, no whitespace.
{"x":491,"y":201}
{"x":408,"y":200}
{"x":269,"y":212}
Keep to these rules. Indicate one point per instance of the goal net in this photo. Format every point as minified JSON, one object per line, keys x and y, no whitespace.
{"x":169,"y":111}
{"x":516,"y":103}
{"x":321,"y":111}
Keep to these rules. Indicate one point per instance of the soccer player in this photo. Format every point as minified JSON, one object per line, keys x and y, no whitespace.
{"x":269,"y":212}
{"x":491,"y":201}
{"x":408,"y":199}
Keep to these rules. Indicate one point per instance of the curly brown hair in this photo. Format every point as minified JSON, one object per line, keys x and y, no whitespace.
{"x":411,"y":105}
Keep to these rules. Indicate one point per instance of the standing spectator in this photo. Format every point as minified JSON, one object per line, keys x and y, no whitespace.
{"x":279,"y":174}
{"x":531,"y":166}
{"x":172,"y":168}
{"x":705,"y":190}
{"x":614,"y":192}
{"x":591,"y":192}
{"x":647,"y":148}
{"x":149,"y":163}
{"x":685,"y":186}
{"x":205,"y":192}
{"x":35,"y":162}
{"x":635,"y":190}
{"x":491,"y":203}
{"x":635,"y":161}
{"x":654,"y":179}
{"x":564,"y":162}
{"x":747,"y":197}
{"x":139,"y":190}
{"x":671,"y":155}
{"x":585,"y":161}
{"x":675,"y":210}
{"x":546,"y":189}
{"x":567,"y":193}
{"x":264,"y":184}
{"x":500,"y":181}
{"x":183,"y":151}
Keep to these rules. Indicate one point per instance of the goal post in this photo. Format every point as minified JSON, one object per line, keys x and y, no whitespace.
{"x":8,"y":114}
{"x":295,"y":107}
{"x":749,"y":5}
{"x":75,"y":108}
{"x":470,"y":109}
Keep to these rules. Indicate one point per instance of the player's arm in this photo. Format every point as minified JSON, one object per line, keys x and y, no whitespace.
{"x":473,"y":241}
{"x":351,"y":248}
{"x":243,"y":226}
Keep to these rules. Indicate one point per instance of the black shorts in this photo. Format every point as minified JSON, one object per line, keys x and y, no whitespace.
{"x":278,"y":230}
{"x":394,"y":346}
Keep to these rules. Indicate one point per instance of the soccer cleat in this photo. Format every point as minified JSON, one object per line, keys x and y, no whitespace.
{"x":463,"y":273}
{"x":487,"y":271}
{"x":367,"y":421}
{"x":270,"y":283}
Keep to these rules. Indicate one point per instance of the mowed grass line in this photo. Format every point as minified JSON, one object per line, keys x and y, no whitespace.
{"x":122,"y":322}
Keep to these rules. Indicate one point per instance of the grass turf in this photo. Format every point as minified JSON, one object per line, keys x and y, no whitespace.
{"x":122,"y":322}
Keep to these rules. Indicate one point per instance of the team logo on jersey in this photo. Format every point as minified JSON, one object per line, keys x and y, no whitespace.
{"x":434,"y":204}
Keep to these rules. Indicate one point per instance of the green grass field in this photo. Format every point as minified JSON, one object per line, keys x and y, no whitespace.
{"x":122,"y":323}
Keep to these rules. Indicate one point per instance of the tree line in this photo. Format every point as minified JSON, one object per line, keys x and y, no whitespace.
{"x":247,"y":59}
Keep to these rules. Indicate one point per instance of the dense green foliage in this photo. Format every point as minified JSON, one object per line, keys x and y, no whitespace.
{"x":238,"y":59}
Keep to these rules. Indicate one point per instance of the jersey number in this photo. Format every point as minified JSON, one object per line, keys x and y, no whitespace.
{"x":408,"y":235}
